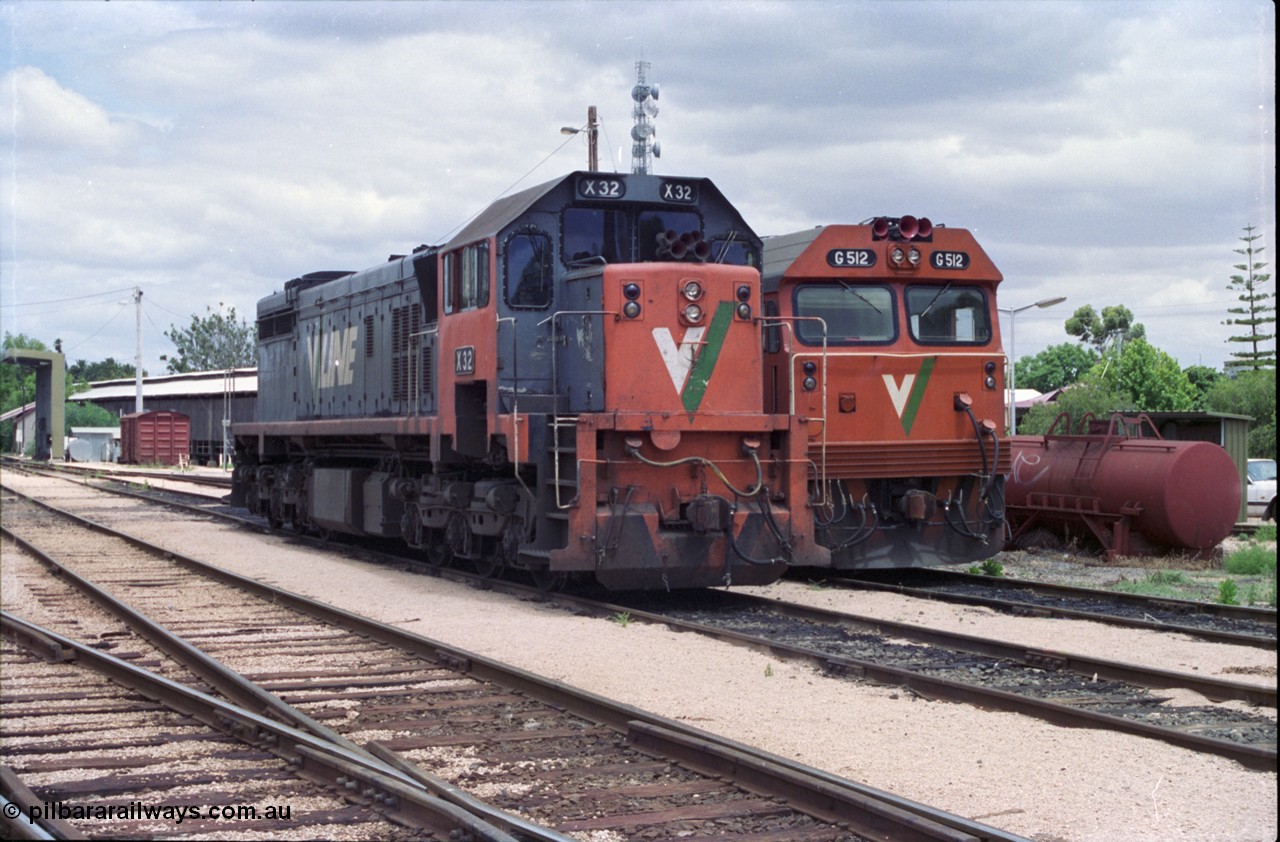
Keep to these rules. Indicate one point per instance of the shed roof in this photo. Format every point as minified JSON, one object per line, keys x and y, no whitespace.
{"x":239,"y":381}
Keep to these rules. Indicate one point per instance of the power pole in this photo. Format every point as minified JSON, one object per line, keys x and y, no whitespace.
{"x":137,"y":362}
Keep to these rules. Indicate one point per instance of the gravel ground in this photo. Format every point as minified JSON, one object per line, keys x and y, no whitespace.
{"x":1048,"y":783}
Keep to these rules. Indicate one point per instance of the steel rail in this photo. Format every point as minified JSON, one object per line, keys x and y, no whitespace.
{"x":863,"y":809}
{"x":1215,"y":689}
{"x":1250,"y":756}
{"x":354,"y":775}
{"x":1265,"y":616}
{"x":246,"y":693}
{"x":1032,"y":609}
{"x":110,"y":471}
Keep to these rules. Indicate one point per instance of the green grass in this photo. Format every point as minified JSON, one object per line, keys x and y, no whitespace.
{"x":1266,"y":532}
{"x":1253,"y":560}
{"x":1171,"y":584}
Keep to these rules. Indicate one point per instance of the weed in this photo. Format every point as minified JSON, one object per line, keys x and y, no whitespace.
{"x":768,"y":670}
{"x":622,"y":618}
{"x":991,"y":567}
{"x":1266,"y":532}
{"x":975,"y":570}
{"x":1162,"y":583}
{"x":1253,"y":560}
{"x":815,"y":585}
{"x":1228,"y":592}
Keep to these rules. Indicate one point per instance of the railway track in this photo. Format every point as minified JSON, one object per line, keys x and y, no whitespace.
{"x":556,"y":757}
{"x":1207,"y":621}
{"x":95,"y":746}
{"x":1234,"y":624}
{"x":1058,"y":687}
{"x":1010,"y":678}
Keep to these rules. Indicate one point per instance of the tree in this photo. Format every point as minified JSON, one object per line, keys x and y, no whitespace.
{"x":213,"y":343}
{"x":1203,"y":378}
{"x":1136,"y":377}
{"x":1152,"y":378}
{"x":1093,"y":394}
{"x":1114,"y":324}
{"x":1252,"y":314}
{"x":17,"y":384}
{"x":1055,"y":367}
{"x":1251,"y":393}
{"x":84,"y":414}
{"x":108,"y":369}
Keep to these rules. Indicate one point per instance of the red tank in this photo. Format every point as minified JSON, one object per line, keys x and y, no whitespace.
{"x":1133,"y":490}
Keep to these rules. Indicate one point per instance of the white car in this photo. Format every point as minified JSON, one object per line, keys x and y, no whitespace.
{"x":1262,"y":488}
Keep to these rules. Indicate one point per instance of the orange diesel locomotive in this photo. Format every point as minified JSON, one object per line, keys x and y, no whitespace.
{"x":884,"y":339}
{"x":569,"y":387}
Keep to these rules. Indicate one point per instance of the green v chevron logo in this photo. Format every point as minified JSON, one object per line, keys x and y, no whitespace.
{"x":908,"y":395}
{"x":691,"y":362}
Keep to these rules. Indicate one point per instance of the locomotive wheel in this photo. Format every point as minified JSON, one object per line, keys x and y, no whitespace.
{"x":296,"y":521}
{"x":489,"y":565}
{"x":275,"y":518}
{"x":547,"y":581}
{"x":435,"y":550}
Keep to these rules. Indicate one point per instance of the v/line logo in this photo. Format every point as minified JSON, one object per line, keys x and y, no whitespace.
{"x":907,"y":396}
{"x":691,"y":362}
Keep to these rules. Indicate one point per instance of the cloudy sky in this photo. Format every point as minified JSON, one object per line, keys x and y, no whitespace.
{"x":1111,"y":152}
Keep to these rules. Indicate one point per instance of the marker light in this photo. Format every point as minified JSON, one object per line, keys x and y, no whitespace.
{"x":744,"y":311}
{"x":693,"y":313}
{"x":744,"y":293}
{"x":692,"y":290}
{"x":631,"y":291}
{"x":631,"y":309}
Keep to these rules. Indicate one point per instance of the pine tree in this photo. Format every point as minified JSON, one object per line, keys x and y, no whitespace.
{"x":1255,"y":313}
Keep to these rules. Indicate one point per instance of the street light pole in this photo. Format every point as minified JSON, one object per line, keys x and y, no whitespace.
{"x":1013,"y":311}
{"x":593,"y":133}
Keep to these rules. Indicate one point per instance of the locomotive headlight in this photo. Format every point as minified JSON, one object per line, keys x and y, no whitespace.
{"x":744,"y":311}
{"x":631,"y":309}
{"x":810,"y":383}
{"x":693,"y":291}
{"x":693,"y":313}
{"x":896,"y":255}
{"x":913,"y":257}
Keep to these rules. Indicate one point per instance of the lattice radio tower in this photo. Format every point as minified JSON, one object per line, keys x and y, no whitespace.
{"x":644,"y":110}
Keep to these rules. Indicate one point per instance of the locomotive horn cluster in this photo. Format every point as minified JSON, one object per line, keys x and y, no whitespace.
{"x":689,"y":245}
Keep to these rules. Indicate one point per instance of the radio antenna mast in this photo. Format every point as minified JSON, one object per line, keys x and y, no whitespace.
{"x":643,"y":111}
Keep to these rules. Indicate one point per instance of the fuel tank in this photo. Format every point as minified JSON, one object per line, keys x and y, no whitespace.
{"x":1169,"y":494}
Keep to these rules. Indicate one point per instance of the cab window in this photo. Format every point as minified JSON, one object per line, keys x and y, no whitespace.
{"x":948,"y":315}
{"x":528,"y":278}
{"x":852,"y":314}
{"x":466,"y":278}
{"x":596,"y":232}
{"x":653,"y":223}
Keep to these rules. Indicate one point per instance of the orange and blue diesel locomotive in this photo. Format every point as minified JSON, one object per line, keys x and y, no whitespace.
{"x":884,"y":338}
{"x":569,"y":387}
